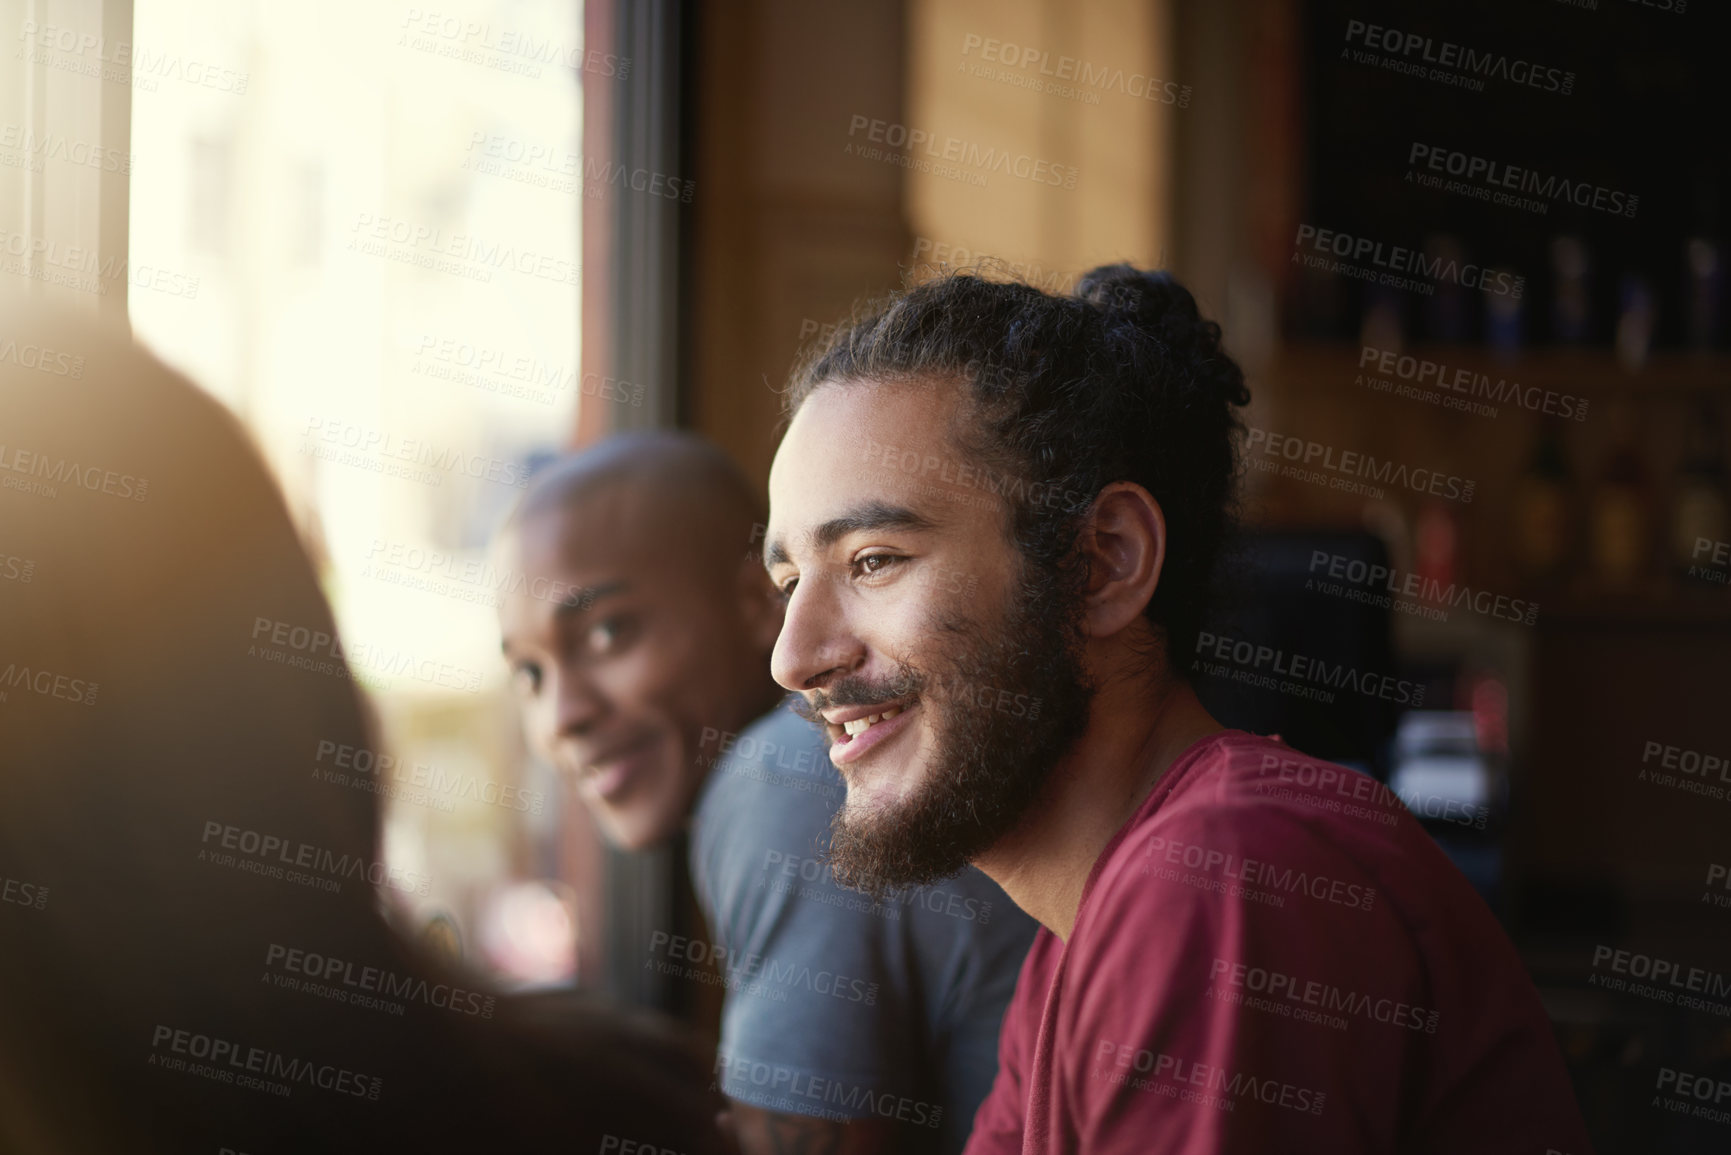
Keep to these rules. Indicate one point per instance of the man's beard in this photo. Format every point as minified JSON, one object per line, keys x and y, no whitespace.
{"x":1004,"y":705}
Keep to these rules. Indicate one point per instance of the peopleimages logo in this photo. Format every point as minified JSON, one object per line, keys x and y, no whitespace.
{"x":463,"y":577}
{"x":1684,"y":769}
{"x":1360,"y":575}
{"x":1497,"y":177}
{"x":85,"y":270}
{"x":1172,"y":1077}
{"x":41,"y":358}
{"x":755,"y":973}
{"x":1249,"y":872}
{"x":405,"y":455}
{"x":775,"y":1087}
{"x":1423,"y":56}
{"x":461,"y":254}
{"x":35,"y":148}
{"x":1435,"y":380}
{"x":121,"y":61}
{"x":1348,"y":465}
{"x":1662,"y":980}
{"x":1397,"y":259}
{"x":934,"y":899}
{"x":48,"y":684}
{"x":330,"y":977}
{"x":60,"y":471}
{"x":382,"y":773}
{"x":1300,"y":671}
{"x":228,"y":1062}
{"x":1294,"y":997}
{"x":1717,"y":873}
{"x":517,"y":51}
{"x":951,"y":151}
{"x":1060,"y":73}
{"x":1704,"y":1089}
{"x":267,"y":853}
{"x":943,"y":254}
{"x":21,"y":893}
{"x":319,"y":652}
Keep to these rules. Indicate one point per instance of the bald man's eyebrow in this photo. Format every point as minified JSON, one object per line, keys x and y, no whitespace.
{"x":872,"y":515}
{"x":580,"y":600}
{"x":574,"y":603}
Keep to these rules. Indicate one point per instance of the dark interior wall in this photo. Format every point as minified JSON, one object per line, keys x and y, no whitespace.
{"x":788,"y":229}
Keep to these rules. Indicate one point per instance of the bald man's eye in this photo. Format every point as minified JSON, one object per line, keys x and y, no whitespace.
{"x":786,"y":589}
{"x":612,"y":634}
{"x":526,"y":679}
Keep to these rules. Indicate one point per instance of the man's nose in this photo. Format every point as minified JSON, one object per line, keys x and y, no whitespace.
{"x":816,"y":643}
{"x":577,"y":703}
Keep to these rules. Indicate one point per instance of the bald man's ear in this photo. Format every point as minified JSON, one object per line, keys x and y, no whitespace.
{"x":761,"y":607}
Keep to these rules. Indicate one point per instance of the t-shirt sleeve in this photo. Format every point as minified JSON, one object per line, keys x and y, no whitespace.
{"x":1202,"y":1024}
{"x":820,"y":1016}
{"x":1000,"y":1121}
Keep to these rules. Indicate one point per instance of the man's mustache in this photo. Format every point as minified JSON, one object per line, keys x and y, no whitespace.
{"x":858,"y":691}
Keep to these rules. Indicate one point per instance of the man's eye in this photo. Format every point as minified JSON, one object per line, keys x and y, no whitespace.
{"x":609,"y":634}
{"x":875,"y":563}
{"x":786,"y":590}
{"x":527,"y":678}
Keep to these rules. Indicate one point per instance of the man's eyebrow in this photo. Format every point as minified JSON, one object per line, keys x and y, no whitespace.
{"x":581,"y":599}
{"x":574,"y":603}
{"x":872,"y":515}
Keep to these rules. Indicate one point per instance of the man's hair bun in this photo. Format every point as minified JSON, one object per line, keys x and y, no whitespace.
{"x":1147,"y":305}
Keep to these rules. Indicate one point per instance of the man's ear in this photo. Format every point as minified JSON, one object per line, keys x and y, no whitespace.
{"x":1124,"y":546}
{"x":761,"y":607}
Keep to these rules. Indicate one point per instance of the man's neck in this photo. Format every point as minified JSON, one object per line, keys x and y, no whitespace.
{"x":1137,"y":728}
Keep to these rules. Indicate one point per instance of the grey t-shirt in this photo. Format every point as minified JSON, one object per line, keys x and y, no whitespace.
{"x":837,"y":1006}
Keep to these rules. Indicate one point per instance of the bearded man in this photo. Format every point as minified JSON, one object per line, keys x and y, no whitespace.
{"x":1243,"y":950}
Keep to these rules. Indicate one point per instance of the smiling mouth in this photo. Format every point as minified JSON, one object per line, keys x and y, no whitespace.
{"x":860,"y":725}
{"x":594,"y":767}
{"x":845,"y":732}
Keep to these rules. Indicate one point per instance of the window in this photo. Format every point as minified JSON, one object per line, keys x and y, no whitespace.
{"x":373,"y":258}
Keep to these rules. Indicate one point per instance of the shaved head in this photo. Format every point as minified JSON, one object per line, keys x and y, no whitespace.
{"x":669,"y":486}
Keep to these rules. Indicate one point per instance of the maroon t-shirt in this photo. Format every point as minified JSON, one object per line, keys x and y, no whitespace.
{"x":1272,"y":956}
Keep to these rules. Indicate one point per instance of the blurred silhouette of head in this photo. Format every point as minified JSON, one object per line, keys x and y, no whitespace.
{"x":164,"y":846}
{"x":641,"y":631}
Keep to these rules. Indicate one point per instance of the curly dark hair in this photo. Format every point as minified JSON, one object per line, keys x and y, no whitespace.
{"x":1122,"y":381}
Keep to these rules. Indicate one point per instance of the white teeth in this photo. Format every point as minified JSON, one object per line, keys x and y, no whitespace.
{"x":861,"y":725}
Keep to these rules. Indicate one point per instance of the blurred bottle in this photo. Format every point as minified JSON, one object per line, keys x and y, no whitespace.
{"x":1544,"y":511}
{"x":1637,"y":316}
{"x":1571,"y":307}
{"x":1701,"y":293}
{"x":1703,"y":273}
{"x":1699,"y":511}
{"x":1620,"y":517}
{"x":1383,"y":325}
{"x":1502,"y":318}
{"x":1448,"y":311}
{"x":1437,"y":545}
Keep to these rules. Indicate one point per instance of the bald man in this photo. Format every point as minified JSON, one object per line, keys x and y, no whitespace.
{"x":849,"y":1025}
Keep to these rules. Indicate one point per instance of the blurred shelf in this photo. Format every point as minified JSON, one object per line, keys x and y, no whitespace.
{"x":1671,"y":608}
{"x":1313,"y":365}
